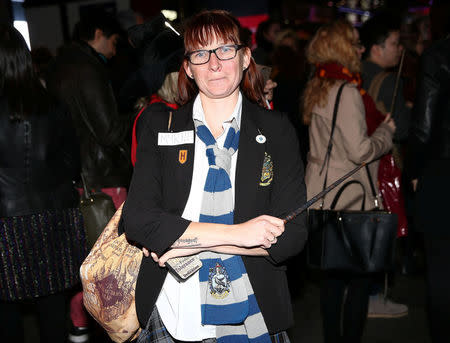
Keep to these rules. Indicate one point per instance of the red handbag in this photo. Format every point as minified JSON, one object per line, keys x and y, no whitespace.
{"x":389,"y":184}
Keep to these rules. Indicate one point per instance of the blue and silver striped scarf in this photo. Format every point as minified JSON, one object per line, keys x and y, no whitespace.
{"x":227,"y":298}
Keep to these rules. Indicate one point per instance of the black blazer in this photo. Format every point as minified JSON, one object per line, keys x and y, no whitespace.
{"x":160,"y":189}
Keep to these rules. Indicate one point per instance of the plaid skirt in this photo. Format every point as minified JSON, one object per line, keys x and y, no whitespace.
{"x":40,"y":254}
{"x":156,"y":332}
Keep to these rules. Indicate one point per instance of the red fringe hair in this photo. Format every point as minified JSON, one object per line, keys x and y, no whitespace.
{"x":199,"y":31}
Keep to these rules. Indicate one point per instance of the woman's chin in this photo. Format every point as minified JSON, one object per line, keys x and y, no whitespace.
{"x":219,"y":93}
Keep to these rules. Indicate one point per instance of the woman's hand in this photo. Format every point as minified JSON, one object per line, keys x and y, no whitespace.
{"x":389,"y":121}
{"x":170,"y":254}
{"x":261,"y":231}
{"x":268,"y":89}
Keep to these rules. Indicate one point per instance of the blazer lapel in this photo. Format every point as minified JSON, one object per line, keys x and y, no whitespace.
{"x":249,"y":162}
{"x":182,"y":121}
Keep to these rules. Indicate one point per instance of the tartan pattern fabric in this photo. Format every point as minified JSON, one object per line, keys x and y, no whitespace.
{"x":156,"y":332}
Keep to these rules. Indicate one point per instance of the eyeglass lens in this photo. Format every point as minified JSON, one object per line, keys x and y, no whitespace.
{"x":225,"y":52}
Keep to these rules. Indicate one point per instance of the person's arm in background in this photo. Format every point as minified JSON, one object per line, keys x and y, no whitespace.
{"x":423,"y":113}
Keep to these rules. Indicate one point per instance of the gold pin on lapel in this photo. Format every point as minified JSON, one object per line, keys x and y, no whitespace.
{"x":267,"y":171}
{"x":182,"y":156}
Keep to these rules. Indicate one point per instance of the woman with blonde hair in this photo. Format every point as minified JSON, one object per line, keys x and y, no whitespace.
{"x":334,"y":50}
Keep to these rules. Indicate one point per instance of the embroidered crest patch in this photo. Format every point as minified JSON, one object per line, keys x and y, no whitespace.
{"x":182,"y":156}
{"x":267,"y":170}
{"x":219,"y":282}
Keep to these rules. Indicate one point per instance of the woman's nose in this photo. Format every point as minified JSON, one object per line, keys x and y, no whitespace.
{"x":214,"y":62}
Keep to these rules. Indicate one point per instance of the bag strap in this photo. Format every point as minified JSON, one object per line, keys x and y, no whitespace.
{"x":86,"y":193}
{"x":326,"y":160}
{"x":341,"y":190}
{"x":169,"y":124}
{"x":372,"y":188}
{"x":374,"y":90}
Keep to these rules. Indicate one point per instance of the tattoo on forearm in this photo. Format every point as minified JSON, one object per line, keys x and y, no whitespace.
{"x":186,"y":242}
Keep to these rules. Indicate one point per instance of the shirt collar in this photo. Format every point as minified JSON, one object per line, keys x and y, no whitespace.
{"x":197,"y":111}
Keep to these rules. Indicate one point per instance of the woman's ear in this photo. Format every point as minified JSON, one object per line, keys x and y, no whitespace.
{"x":247,"y":56}
{"x":187,"y":69}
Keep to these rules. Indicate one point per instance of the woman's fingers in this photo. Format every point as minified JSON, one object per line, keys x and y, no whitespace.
{"x":155,"y":257}
{"x":261,"y":231}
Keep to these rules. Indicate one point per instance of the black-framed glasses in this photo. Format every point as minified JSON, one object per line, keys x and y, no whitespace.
{"x":223,"y":53}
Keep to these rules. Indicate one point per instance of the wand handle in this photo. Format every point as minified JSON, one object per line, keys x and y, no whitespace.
{"x":315,"y":198}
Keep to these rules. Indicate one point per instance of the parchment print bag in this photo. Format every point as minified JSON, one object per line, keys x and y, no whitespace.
{"x":109,"y":275}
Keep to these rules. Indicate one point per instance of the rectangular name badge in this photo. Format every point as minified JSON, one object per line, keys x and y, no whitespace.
{"x":175,"y":138}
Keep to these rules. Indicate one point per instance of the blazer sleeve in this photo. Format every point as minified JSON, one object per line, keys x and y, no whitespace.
{"x":145,"y":220}
{"x":351,"y":123}
{"x":289,"y":192}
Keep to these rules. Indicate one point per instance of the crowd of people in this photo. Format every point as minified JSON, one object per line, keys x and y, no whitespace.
{"x":210,"y":141}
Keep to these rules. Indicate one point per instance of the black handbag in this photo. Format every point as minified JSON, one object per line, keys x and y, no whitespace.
{"x":97,"y":209}
{"x":348,"y":240}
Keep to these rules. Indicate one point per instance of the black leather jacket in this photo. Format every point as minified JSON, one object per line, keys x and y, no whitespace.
{"x":79,"y":79}
{"x":39,"y":158}
{"x":430,"y":129}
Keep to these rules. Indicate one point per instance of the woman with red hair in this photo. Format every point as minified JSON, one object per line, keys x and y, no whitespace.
{"x":212,"y":181}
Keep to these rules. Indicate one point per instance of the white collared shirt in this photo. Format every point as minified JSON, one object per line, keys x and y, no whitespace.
{"x":179,"y":303}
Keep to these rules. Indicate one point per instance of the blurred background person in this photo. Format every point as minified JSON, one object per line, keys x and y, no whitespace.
{"x":265,"y":38}
{"x":380,"y":36}
{"x":288,"y":71}
{"x":79,"y":78}
{"x":161,"y":52}
{"x":334,"y":51}
{"x":42,"y":236}
{"x":429,"y":168}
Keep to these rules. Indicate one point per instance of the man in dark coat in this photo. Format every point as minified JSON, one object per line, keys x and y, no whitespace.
{"x":79,"y":78}
{"x":380,"y":36}
{"x":429,"y":169}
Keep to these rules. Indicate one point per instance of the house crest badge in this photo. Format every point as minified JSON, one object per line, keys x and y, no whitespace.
{"x":219,"y":282}
{"x":267,"y":171}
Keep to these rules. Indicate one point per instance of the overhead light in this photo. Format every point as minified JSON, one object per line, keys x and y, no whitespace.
{"x":22,"y":27}
{"x":169,"y":14}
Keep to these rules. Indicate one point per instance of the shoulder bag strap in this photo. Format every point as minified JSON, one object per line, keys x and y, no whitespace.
{"x":341,"y":190}
{"x":326,"y":160}
{"x":374,"y":90}
{"x":372,"y":188}
{"x":169,"y":124}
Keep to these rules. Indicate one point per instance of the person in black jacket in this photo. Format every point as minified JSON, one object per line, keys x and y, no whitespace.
{"x":42,"y":240}
{"x":429,"y":170}
{"x":167,"y":208}
{"x":79,"y":78}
